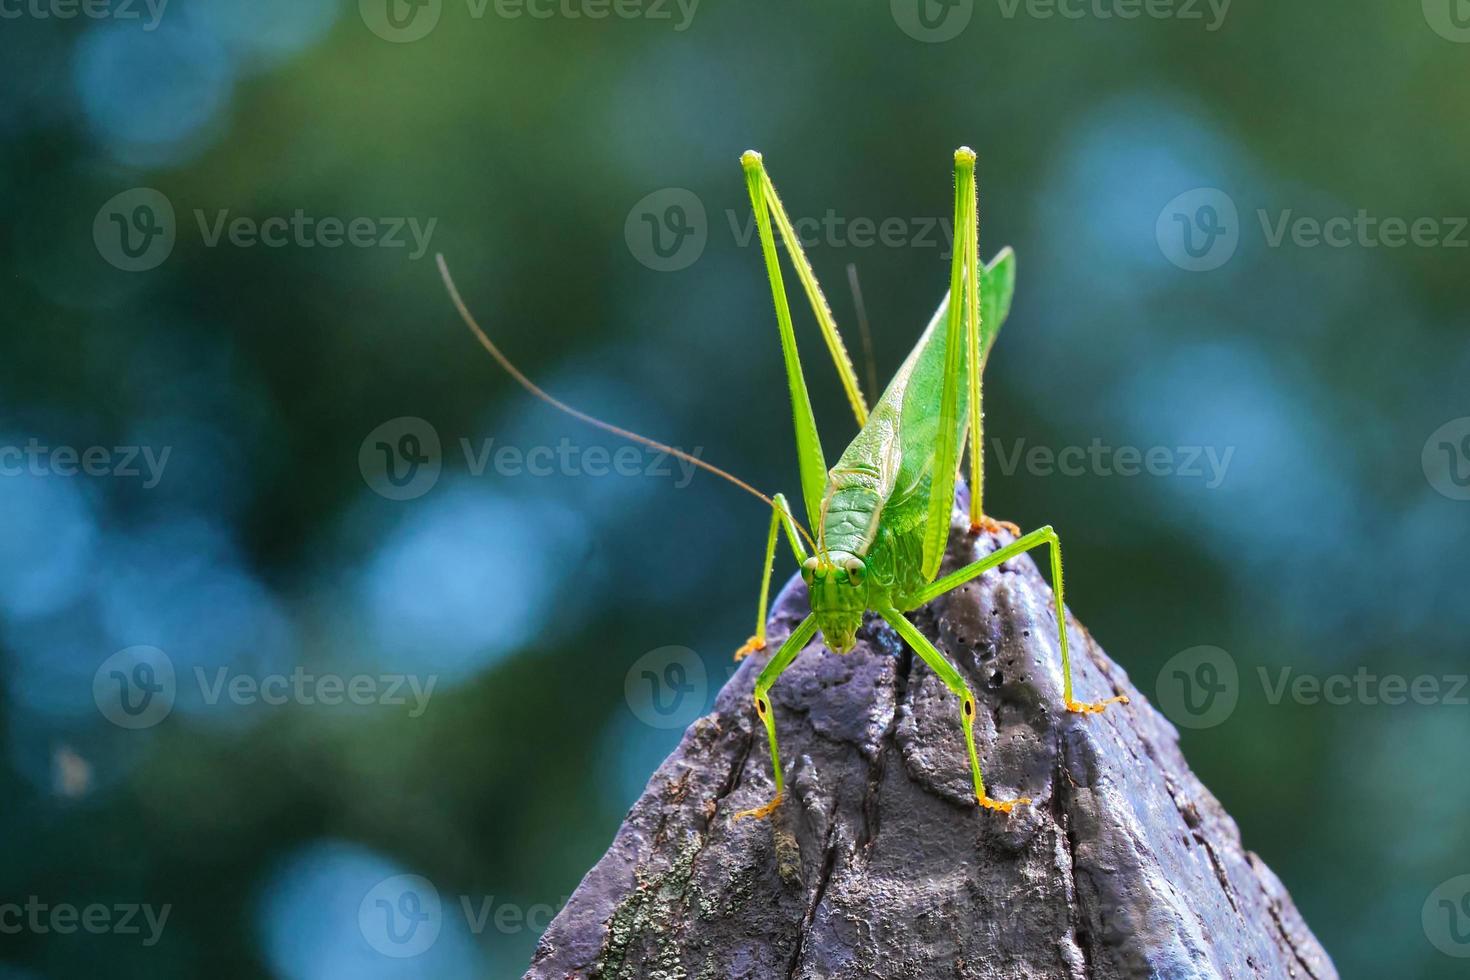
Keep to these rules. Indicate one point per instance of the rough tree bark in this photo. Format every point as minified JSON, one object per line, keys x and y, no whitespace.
{"x":879,"y":864}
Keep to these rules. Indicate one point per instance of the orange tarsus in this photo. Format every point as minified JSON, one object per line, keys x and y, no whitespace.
{"x":1002,"y":806}
{"x":1094,"y":707}
{"x":753,"y":645}
{"x":761,"y":812}
{"x":991,"y":526}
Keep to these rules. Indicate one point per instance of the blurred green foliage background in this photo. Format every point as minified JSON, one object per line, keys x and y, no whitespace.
{"x":1332,"y":377}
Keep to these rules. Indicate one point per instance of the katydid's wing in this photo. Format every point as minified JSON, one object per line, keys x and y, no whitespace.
{"x":994,"y":299}
{"x":917,"y":386}
{"x":997,"y":287}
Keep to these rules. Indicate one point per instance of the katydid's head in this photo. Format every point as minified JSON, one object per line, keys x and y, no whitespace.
{"x":837,"y":583}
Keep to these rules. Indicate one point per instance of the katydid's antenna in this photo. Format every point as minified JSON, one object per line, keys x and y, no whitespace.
{"x":862,"y":319}
{"x":534,"y":389}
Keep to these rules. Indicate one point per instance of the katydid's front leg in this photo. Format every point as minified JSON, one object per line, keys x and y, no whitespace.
{"x":955,"y":683}
{"x":1043,"y":535}
{"x":784,"y":657}
{"x":780,"y":516}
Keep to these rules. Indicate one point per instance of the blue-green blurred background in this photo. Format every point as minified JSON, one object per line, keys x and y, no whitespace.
{"x":542,"y":154}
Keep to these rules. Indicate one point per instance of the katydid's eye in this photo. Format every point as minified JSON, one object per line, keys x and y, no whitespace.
{"x":855,"y":570}
{"x":809,"y":569}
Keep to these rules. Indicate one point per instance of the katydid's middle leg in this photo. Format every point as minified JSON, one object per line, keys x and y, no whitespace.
{"x":1043,"y":535}
{"x":780,"y":516}
{"x":955,"y":683}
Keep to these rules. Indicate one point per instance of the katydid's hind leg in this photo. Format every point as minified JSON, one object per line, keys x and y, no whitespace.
{"x":1081,"y":707}
{"x":784,"y":657}
{"x":974,"y":371}
{"x":952,"y":679}
{"x":1045,"y":535}
{"x":950,"y":439}
{"x":780,"y":517}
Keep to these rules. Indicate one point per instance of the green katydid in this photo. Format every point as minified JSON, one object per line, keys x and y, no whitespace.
{"x":882,"y":514}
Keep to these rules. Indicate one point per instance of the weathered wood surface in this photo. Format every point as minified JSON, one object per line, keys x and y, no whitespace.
{"x":880,"y":865}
